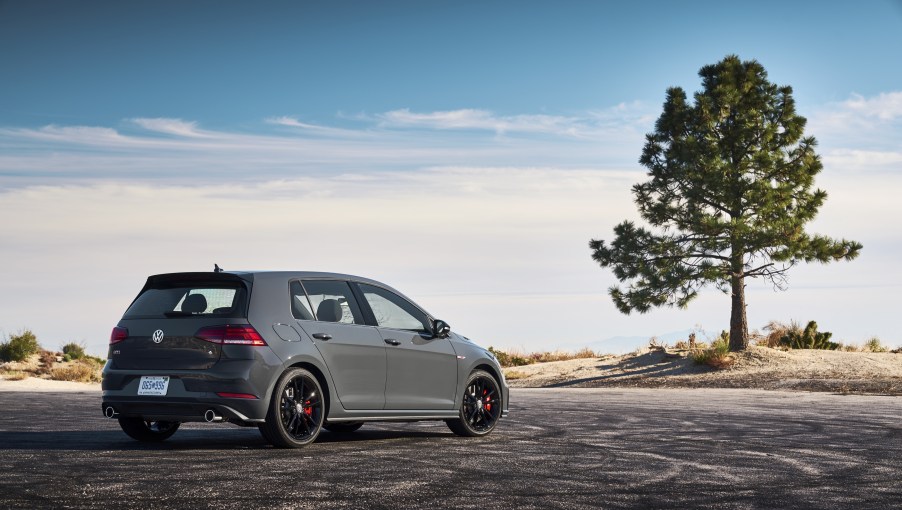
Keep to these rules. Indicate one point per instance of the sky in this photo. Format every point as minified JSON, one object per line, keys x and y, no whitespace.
{"x":463,"y":152}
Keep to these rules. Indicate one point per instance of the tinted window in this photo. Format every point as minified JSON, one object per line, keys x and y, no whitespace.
{"x":393,"y":311}
{"x":332,"y":301}
{"x":225,"y":300}
{"x":300,"y":305}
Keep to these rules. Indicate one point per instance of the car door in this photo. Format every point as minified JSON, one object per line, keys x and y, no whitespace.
{"x":354,"y":352}
{"x":422,"y":370}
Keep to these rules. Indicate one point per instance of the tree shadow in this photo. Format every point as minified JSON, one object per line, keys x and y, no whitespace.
{"x":647,"y":365}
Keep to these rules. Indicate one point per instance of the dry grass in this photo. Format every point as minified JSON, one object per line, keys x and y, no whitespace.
{"x":15,"y":375}
{"x":518,"y":358}
{"x":775,"y":331}
{"x":513,"y":375}
{"x":78,"y":371}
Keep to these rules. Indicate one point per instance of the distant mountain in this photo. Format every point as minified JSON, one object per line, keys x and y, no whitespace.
{"x":625,"y":344}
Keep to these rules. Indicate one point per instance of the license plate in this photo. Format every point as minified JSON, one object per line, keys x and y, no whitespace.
{"x":153,"y":385}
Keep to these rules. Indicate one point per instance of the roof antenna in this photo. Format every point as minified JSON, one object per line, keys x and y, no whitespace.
{"x":216,"y":268}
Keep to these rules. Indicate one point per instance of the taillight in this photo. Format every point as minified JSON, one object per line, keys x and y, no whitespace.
{"x":118,"y":335}
{"x":237,"y":334}
{"x":225,"y":394}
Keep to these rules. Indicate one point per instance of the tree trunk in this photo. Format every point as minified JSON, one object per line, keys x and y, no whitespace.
{"x":739,"y":324}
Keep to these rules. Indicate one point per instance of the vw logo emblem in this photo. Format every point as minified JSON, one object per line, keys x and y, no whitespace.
{"x":157,"y":336}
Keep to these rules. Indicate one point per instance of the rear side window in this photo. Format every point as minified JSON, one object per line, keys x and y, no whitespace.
{"x":333,"y":301}
{"x":300,"y":305}
{"x":174,"y":300}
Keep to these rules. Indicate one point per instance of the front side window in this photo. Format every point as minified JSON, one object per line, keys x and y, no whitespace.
{"x":333,"y":301}
{"x":393,"y":311}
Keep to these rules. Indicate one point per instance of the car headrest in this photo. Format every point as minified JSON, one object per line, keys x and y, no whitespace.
{"x":329,"y":310}
{"x":195,"y":303}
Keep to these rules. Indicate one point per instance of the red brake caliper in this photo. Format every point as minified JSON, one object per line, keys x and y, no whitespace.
{"x":488,"y":406}
{"x":308,"y":409}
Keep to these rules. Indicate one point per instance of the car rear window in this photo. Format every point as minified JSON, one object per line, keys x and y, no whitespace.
{"x":190,"y":300}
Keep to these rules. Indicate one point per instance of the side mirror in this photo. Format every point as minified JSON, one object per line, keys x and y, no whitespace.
{"x":441,"y":329}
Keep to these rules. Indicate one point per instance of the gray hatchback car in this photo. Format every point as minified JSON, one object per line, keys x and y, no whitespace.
{"x":291,"y":353}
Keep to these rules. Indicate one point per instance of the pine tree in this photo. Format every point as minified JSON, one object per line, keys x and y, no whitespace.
{"x":731,"y":190}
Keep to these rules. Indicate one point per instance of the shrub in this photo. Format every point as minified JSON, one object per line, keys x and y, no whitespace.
{"x":80,"y":371}
{"x":509,"y":360}
{"x":46,"y":361}
{"x":775,"y":331}
{"x":874,"y":345}
{"x":74,"y":350}
{"x":809,"y":338}
{"x":717,"y":356}
{"x":19,"y":347}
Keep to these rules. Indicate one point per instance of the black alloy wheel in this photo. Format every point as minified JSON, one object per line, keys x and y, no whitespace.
{"x":148,"y":431}
{"x":480,"y":407}
{"x":296,"y":412}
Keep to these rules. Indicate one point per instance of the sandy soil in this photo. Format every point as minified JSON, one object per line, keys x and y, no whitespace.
{"x":46,"y":385}
{"x":759,"y":367}
{"x":38,"y":378}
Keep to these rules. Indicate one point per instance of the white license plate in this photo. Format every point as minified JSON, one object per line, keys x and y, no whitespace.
{"x":153,"y":385}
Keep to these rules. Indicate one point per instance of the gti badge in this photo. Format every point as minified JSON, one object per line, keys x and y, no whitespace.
{"x":157,"y":336}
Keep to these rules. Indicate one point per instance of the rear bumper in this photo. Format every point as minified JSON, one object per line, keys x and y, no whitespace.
{"x":191,"y":393}
{"x":240,"y":411}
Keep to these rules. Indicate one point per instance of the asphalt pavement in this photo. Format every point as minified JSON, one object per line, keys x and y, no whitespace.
{"x":560,"y":448}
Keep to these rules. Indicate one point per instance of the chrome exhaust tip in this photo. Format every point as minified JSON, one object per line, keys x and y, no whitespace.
{"x":109,"y":412}
{"x":210,"y":416}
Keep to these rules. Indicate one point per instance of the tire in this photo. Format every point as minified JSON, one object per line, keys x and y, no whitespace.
{"x":480,"y":407}
{"x":148,"y":431}
{"x":296,"y":411}
{"x":343,"y":427}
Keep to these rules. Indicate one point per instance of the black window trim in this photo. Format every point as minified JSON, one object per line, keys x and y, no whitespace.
{"x":371,"y":316}
{"x":306,"y":296}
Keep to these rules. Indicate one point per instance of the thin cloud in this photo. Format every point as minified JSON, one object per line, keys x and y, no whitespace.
{"x":872,"y":123}
{"x":315,"y":129}
{"x":884,"y":106}
{"x":485,"y":120}
{"x":175,"y":127}
{"x":402,"y":142}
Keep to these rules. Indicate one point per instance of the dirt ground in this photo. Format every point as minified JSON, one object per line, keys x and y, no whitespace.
{"x":758,"y":368}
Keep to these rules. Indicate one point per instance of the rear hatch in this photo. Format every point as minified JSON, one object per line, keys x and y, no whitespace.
{"x":164,"y":326}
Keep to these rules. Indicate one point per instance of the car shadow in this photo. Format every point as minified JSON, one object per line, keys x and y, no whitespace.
{"x":237,"y":439}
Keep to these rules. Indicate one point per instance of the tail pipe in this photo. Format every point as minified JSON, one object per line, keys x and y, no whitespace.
{"x":109,"y":412}
{"x":210,"y":416}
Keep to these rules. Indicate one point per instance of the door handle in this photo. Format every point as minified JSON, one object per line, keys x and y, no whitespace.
{"x":392,"y":341}
{"x":322,"y":336}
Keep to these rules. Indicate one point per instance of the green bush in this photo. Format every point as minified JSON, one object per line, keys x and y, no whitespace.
{"x":19,"y":347}
{"x":74,"y":351}
{"x":809,"y":338}
{"x":874,"y":345}
{"x":717,"y":356}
